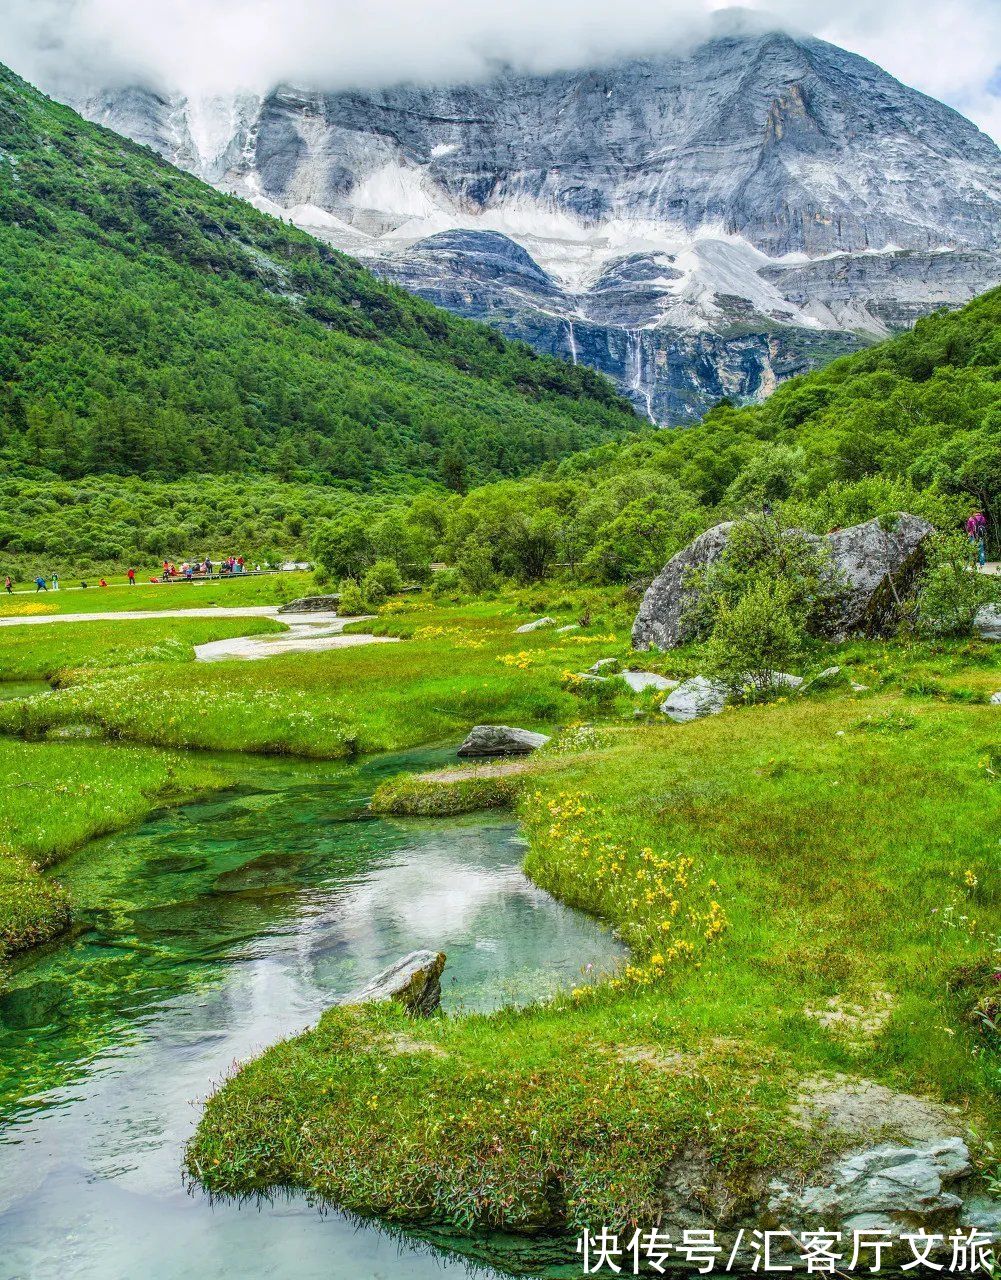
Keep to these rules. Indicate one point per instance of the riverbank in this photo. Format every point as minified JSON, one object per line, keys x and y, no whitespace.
{"x":828,"y":902}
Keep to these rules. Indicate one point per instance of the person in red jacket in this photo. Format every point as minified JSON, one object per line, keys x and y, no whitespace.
{"x":132,"y":577}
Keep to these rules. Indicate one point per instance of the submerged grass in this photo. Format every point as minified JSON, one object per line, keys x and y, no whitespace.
{"x":56,"y":797}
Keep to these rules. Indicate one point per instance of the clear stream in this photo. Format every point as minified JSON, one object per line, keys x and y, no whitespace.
{"x":207,"y":934}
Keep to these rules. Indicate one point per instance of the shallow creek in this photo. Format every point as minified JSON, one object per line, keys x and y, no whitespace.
{"x":207,"y":934}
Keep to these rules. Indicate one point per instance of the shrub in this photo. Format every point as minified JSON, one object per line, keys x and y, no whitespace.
{"x":446,"y":582}
{"x":352,"y":598}
{"x":754,"y":638}
{"x":951,"y":590}
{"x":382,"y":580}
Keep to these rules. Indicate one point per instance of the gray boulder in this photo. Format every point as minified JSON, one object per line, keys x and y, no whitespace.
{"x":537,"y":625}
{"x":571,"y":626}
{"x":876,"y":569}
{"x":883,"y":1181}
{"x":604,"y":664}
{"x":996,"y":699}
{"x":695,"y":698}
{"x":660,"y":620}
{"x":872,"y":569}
{"x":414,"y":982}
{"x":640,"y":680}
{"x":829,"y":678}
{"x":987,"y":623}
{"x":501,"y":740}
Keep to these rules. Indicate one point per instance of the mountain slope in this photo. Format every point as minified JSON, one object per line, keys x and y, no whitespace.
{"x":696,"y":225}
{"x":149,"y":324}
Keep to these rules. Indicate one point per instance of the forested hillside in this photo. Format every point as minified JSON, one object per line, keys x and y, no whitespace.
{"x":150,"y":326}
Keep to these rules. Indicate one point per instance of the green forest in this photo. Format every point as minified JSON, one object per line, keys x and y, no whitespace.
{"x":150,"y":326}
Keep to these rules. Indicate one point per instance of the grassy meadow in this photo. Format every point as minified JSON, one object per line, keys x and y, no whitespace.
{"x":768,"y":867}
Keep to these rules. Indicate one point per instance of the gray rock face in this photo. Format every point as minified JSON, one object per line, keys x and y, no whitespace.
{"x":632,"y":217}
{"x":873,"y":568}
{"x":661,"y":617}
{"x":885,"y":1181}
{"x":501,"y":740}
{"x":695,"y":698}
{"x":414,"y":982}
{"x":538,"y":625}
{"x":987,"y":623}
{"x":877,"y":566}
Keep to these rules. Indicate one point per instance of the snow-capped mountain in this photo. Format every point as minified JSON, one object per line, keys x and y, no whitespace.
{"x":695,"y":225}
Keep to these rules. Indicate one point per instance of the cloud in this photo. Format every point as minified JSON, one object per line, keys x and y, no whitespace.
{"x":947,"y":48}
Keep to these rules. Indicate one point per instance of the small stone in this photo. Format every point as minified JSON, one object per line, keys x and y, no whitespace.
{"x":537,"y":625}
{"x":571,"y":626}
{"x":996,"y":699}
{"x":501,"y":740}
{"x":640,"y":680}
{"x":603,"y":664}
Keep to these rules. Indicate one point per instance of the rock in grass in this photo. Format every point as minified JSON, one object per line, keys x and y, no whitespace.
{"x":640,"y":680}
{"x":74,"y":732}
{"x":537,"y":625}
{"x":571,"y":626}
{"x":695,"y":698}
{"x":987,"y":623}
{"x":873,"y":567}
{"x":996,"y":699}
{"x":604,"y":664}
{"x":414,"y":982}
{"x":829,"y":678}
{"x":501,"y":740}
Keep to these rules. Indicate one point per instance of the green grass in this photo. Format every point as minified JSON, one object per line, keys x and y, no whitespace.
{"x":850,"y":845}
{"x":415,"y":796}
{"x":457,"y":666}
{"x":74,"y":649}
{"x":57,"y":797}
{"x":118,"y":595}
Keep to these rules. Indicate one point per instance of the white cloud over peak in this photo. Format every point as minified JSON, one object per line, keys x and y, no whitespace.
{"x":950,"y":49}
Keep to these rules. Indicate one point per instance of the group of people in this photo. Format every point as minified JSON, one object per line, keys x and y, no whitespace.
{"x":41,"y":584}
{"x":204,"y":568}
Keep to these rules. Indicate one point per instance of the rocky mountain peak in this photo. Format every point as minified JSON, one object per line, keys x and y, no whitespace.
{"x":697,"y":224}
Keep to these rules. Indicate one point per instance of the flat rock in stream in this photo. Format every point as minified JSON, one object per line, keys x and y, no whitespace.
{"x":312,"y":604}
{"x":501,"y":740}
{"x":414,"y":982}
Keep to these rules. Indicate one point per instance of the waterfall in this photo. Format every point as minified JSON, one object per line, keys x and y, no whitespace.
{"x":573,"y":342}
{"x":634,"y":372}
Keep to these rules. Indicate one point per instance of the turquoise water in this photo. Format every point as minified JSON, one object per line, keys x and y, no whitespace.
{"x":209,"y":933}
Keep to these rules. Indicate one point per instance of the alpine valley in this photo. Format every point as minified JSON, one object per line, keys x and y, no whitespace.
{"x":699,"y":225}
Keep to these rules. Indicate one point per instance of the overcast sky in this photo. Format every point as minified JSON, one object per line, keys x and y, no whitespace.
{"x":948,"y":48}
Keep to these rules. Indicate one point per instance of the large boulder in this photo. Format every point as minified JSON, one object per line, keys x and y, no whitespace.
{"x":661,"y":617}
{"x":695,"y":698}
{"x":873,"y":568}
{"x":414,"y":982}
{"x":501,"y":740}
{"x":877,"y":569}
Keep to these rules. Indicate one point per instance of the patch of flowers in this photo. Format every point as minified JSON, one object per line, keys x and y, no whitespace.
{"x":665,"y":910}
